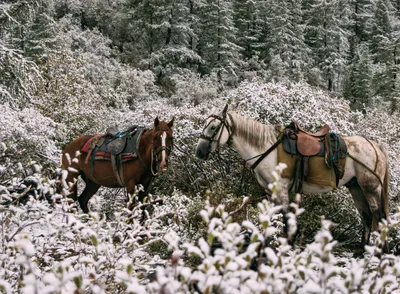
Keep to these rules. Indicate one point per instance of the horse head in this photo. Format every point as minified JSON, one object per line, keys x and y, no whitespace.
{"x":162,"y":143}
{"x":217,"y":132}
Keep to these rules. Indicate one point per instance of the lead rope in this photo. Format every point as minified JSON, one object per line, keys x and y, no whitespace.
{"x":151,"y":163}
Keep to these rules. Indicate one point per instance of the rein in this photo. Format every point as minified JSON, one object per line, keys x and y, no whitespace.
{"x":263,"y":155}
{"x":154,"y":155}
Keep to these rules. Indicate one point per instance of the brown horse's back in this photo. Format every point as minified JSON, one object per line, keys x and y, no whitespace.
{"x":100,"y":172}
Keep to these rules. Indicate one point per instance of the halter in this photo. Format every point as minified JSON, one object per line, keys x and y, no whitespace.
{"x":224,"y":123}
{"x":154,"y":153}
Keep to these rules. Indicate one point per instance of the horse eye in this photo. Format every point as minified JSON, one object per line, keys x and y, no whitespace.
{"x":213,"y":128}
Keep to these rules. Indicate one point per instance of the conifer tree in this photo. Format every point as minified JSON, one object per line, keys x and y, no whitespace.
{"x":217,"y":43}
{"x":384,"y":51}
{"x":163,"y":33}
{"x":359,"y":78}
{"x":362,"y":18}
{"x":327,"y":36}
{"x":396,"y":6}
{"x":248,"y":26}
{"x":28,"y":27}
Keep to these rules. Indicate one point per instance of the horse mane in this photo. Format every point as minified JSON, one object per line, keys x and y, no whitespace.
{"x":253,"y":132}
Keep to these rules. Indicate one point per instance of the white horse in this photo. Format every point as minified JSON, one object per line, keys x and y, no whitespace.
{"x":366,"y":173}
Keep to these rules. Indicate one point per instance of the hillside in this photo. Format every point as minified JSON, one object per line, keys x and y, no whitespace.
{"x":77,"y":67}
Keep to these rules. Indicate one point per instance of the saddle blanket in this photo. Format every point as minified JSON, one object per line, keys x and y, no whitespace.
{"x":100,"y":146}
{"x":318,"y":174}
{"x":318,"y":171}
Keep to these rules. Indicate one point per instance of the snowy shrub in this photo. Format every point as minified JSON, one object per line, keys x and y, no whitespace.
{"x":238,"y":265}
{"x":192,"y":89}
{"x":123,"y":84}
{"x":27,"y":135}
{"x":55,"y":249}
{"x":69,"y":98}
{"x":19,"y":78}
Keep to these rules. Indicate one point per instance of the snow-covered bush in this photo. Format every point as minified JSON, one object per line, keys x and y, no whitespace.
{"x":19,"y":77}
{"x":51,"y":249}
{"x":254,"y":266}
{"x":27,"y":137}
{"x":55,"y":249}
{"x":192,"y":89}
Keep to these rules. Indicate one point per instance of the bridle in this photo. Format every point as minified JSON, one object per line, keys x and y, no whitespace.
{"x":224,"y":123}
{"x":154,"y":156}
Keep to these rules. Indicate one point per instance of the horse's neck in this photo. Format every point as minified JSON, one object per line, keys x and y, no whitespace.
{"x":251,"y":138}
{"x":145,"y":145}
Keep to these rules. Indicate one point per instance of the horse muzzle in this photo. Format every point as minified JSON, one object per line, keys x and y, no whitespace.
{"x":162,"y":154}
{"x":203,"y":150}
{"x":163,"y":166}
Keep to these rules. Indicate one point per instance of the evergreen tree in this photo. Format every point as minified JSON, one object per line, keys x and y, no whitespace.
{"x":362,"y":18}
{"x":360,"y":26}
{"x":41,"y":31}
{"x":381,"y":35}
{"x":286,"y":31}
{"x":396,"y":6}
{"x":162,"y":35}
{"x":28,"y":27}
{"x":359,"y":78}
{"x":176,"y":35}
{"x":384,"y":50}
{"x":327,"y":36}
{"x":217,"y":43}
{"x":247,"y":23}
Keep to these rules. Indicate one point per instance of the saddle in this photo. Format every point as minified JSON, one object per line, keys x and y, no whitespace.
{"x":304,"y":144}
{"x":308,"y":143}
{"x":116,"y":146}
{"x":113,"y":142}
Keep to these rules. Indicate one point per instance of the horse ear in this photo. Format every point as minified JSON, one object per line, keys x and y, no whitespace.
{"x":171,"y":123}
{"x":225,"y":109}
{"x":156,"y":122}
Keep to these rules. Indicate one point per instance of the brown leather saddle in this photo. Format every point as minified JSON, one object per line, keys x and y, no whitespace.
{"x":304,"y":144}
{"x":308,"y":143}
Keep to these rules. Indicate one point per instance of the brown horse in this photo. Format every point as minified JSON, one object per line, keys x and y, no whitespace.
{"x":154,"y":147}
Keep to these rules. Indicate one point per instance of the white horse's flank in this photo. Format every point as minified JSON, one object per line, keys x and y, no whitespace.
{"x":251,"y":138}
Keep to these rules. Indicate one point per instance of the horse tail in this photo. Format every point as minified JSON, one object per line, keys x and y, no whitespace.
{"x":385,"y":188}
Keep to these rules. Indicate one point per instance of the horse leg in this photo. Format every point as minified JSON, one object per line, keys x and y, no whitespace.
{"x":146,"y":187}
{"x":373,"y":197}
{"x":73,"y":171}
{"x":363,"y":208}
{"x":130,"y":190}
{"x":90,"y":189}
